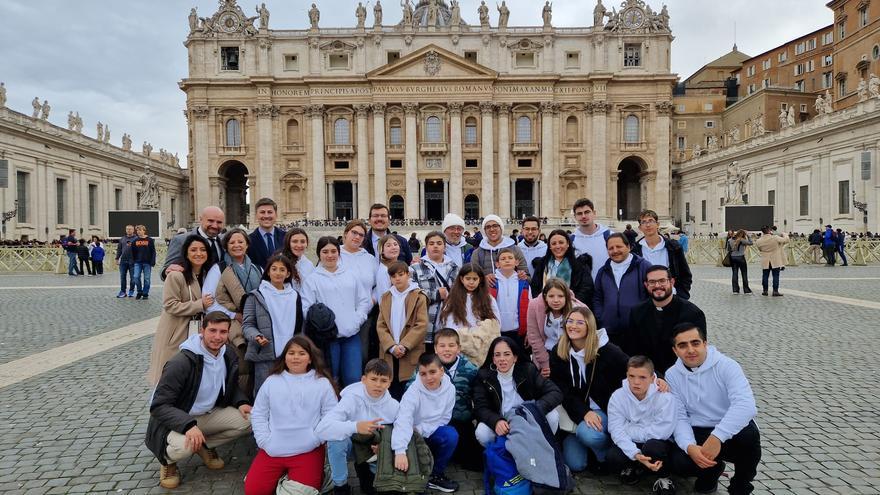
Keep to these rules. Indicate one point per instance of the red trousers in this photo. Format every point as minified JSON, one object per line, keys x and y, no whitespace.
{"x":265,"y":471}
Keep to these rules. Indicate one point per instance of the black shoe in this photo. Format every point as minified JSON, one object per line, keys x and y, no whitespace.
{"x":442,"y":483}
{"x":663,"y":486}
{"x":776,"y":294}
{"x":598,"y":468}
{"x":747,"y":291}
{"x":736,"y":291}
{"x":764,"y":293}
{"x":630,"y":475}
{"x":145,"y":297}
{"x":342,"y":490}
{"x":138,"y":296}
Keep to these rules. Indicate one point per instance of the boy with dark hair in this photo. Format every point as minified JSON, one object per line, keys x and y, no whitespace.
{"x":427,"y":408}
{"x":590,"y":236}
{"x":363,"y":408}
{"x":434,"y":274}
{"x":663,"y":250}
{"x":401,"y":326}
{"x":530,"y":245}
{"x":267,"y":238}
{"x":641,"y":421}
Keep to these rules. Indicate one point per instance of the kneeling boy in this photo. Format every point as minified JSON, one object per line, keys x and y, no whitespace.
{"x":362,"y":409}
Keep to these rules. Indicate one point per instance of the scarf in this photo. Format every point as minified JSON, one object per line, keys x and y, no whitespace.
{"x":560,"y":269}
{"x":248,"y":273}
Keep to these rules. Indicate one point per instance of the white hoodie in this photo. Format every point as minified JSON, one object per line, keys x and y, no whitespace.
{"x":398,"y":310}
{"x":714,"y":395}
{"x":532,"y":252}
{"x":355,"y":405}
{"x":632,"y":421}
{"x":454,"y":251}
{"x":493,"y":250}
{"x":362,"y":265}
{"x":287,"y":410}
{"x":422,"y":409}
{"x":592,"y":244}
{"x":213,"y":375}
{"x":341,"y":292}
{"x":281,"y":305}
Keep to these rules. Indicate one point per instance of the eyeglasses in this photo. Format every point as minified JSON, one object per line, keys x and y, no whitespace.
{"x":355,"y":233}
{"x":578,"y":323}
{"x":649,"y":221}
{"x":492,"y":226}
{"x":654,"y":283}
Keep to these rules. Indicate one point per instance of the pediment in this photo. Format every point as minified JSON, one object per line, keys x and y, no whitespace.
{"x":432,"y":62}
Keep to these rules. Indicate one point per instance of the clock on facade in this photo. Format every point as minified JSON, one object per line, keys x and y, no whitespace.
{"x":229,"y":22}
{"x":633,"y":18}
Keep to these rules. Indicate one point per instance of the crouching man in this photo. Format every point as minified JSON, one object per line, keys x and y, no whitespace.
{"x":197,"y":405}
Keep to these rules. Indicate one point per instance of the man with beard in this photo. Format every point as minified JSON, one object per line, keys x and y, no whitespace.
{"x":380,"y":218}
{"x":457,"y":248}
{"x":530,"y":245}
{"x":651,"y":322}
{"x":211,"y":221}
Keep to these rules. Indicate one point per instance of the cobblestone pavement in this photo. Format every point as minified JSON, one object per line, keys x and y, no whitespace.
{"x":812,"y":364}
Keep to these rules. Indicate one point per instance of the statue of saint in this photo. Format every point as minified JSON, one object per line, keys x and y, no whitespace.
{"x":455,"y":15}
{"x":149,"y":191}
{"x":71,"y":121}
{"x":193,"y":20}
{"x":377,"y":14}
{"x":314,"y":16}
{"x":100,"y":129}
{"x":2,"y":95}
{"x":783,"y":119}
{"x":759,"y":125}
{"x":736,"y":184}
{"x":789,"y":119}
{"x":664,"y":17}
{"x":484,"y":14}
{"x":361,"y":13}
{"x":107,"y":134}
{"x":148,"y":148}
{"x":407,"y":13}
{"x":45,"y":109}
{"x":263,"y":13}
{"x":79,"y":123}
{"x":37,"y":107}
{"x":599,"y":14}
{"x":874,"y":86}
{"x":819,"y":105}
{"x":433,"y":13}
{"x":547,"y":13}
{"x":126,"y":142}
{"x":862,"y":90}
{"x":503,"y":15}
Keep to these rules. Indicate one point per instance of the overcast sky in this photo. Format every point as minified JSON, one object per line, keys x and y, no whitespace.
{"x":119,"y":62}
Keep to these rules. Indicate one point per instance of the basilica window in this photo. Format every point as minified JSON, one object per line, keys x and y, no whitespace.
{"x":60,"y":201}
{"x":631,"y":129}
{"x":571,"y":129}
{"x":472,"y":56}
{"x":22,"y":190}
{"x":292,"y":132}
{"x":229,"y":58}
{"x":395,"y":133}
{"x":433,"y":130}
{"x":470,"y":130}
{"x":233,"y":133}
{"x":291,"y":62}
{"x":525,"y":59}
{"x":632,"y":55}
{"x":93,"y":204}
{"x":804,"y":201}
{"x":341,"y":131}
{"x":523,"y":130}
{"x":392,"y":57}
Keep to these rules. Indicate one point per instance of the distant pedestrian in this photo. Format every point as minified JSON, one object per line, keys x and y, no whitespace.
{"x":683,"y":240}
{"x":772,"y":258}
{"x":123,"y":259}
{"x":829,"y":245}
{"x":143,"y":254}
{"x":98,"y":254}
{"x":630,"y":234}
{"x":815,"y":241}
{"x":82,"y":252}
{"x":736,"y":246}
{"x":70,"y":244}
{"x":841,"y":241}
{"x":414,"y":244}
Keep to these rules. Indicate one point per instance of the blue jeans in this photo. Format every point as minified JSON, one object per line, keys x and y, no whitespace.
{"x":842,"y":252}
{"x":142,"y":269}
{"x":576,"y":445}
{"x":765,"y":278}
{"x":126,"y":267}
{"x":442,"y":444}
{"x":71,"y":264}
{"x":345,"y":359}
{"x":338,"y":452}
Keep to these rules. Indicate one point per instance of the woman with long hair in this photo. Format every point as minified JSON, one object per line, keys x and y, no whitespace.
{"x":587,"y":368}
{"x":389,"y":250}
{"x":503,"y":382}
{"x":182,"y":303}
{"x":298,"y":392}
{"x":296,"y":241}
{"x":620,"y":286}
{"x":544,"y":324}
{"x":737,"y":246}
{"x":356,"y":259}
{"x":560,"y":262}
{"x":473,"y":312}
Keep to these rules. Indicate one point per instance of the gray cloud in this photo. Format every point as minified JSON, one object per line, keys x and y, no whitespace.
{"x":119,"y":62}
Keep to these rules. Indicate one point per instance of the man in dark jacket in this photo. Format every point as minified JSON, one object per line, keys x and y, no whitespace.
{"x":379,"y":221}
{"x":661,"y":250}
{"x":211,"y":221}
{"x":70,"y":243}
{"x":266,"y":239}
{"x":815,"y":241}
{"x":651,"y":322}
{"x":193,"y":409}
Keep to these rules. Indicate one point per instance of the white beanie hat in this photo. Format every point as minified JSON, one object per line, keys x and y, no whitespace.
{"x":492,"y":218}
{"x":451,"y":220}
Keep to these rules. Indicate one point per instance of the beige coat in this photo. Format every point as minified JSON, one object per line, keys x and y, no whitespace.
{"x":229,"y":294}
{"x":413,"y":335}
{"x":179,"y":304}
{"x":770,"y":247}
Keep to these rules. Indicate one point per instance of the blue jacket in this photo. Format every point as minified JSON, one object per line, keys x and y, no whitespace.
{"x":98,"y":253}
{"x":829,"y":238}
{"x":611,"y":304}
{"x":257,"y":250}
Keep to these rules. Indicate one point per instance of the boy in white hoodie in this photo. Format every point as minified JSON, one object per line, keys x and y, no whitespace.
{"x":427,"y":408}
{"x":716,"y":419}
{"x":641,"y":420}
{"x":362,"y":409}
{"x":589,"y":237}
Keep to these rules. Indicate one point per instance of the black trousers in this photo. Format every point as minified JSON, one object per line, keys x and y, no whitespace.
{"x":743,"y":450}
{"x":657,"y":450}
{"x":739,"y":263}
{"x":468,"y":453}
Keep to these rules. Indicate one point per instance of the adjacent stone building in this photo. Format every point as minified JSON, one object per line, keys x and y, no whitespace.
{"x":430,"y":109}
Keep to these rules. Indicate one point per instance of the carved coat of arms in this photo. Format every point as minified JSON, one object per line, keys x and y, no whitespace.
{"x":432,"y":63}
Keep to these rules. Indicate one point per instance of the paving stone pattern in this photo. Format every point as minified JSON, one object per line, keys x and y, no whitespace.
{"x":812,"y":365}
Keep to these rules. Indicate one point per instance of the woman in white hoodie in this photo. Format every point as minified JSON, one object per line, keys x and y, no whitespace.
{"x":272,"y":315}
{"x":337,"y":287}
{"x":356,"y":259}
{"x":296,"y":395}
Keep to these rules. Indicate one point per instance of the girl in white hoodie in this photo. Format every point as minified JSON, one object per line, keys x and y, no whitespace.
{"x":271,"y":316}
{"x":297,"y":393}
{"x":336,"y":286}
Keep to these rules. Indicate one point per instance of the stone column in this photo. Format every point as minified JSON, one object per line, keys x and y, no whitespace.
{"x":548,"y":162}
{"x":445,"y":196}
{"x":487,"y":165}
{"x":421,"y":198}
{"x":198,"y":118}
{"x":319,"y":196}
{"x":599,"y":176}
{"x":411,"y":205}
{"x":664,"y":176}
{"x":504,"y":209}
{"x":380,"y":194}
{"x":265,"y":155}
{"x":536,"y":198}
{"x":455,"y":190}
{"x":363,"y":163}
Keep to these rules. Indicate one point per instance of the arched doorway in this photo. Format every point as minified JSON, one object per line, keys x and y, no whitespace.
{"x":629,"y":190}
{"x":236,"y":207}
{"x":395,"y":204}
{"x":471,"y":207}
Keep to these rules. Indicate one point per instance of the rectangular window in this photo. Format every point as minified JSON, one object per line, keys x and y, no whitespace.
{"x":291,"y":62}
{"x":524,"y":162}
{"x":800,"y":48}
{"x":866,"y":165}
{"x":863,"y":17}
{"x":22,"y":183}
{"x":395,"y":164}
{"x":525,"y":60}
{"x":804,"y":210}
{"x":710,"y":124}
{"x":703,"y":210}
{"x":771,"y":197}
{"x":396,"y":135}
{"x":766,"y":64}
{"x":471,"y":163}
{"x":750,"y":71}
{"x":783,"y":56}
{"x":173,"y":209}
{"x":340,"y":165}
{"x":803,"y":108}
{"x":841,"y":87}
{"x":682,"y":144}
{"x":470,"y":134}
{"x":60,"y":201}
{"x":707,"y":107}
{"x":472,"y":56}
{"x":572,"y":60}
{"x":339,"y":61}
{"x":687,"y":212}
{"x":827,"y":60}
{"x":828,"y":38}
{"x":799,"y":85}
{"x":393,"y":57}
{"x":752,"y":88}
{"x":93,"y":204}
{"x":843,"y":197}
{"x":841,"y":30}
{"x":811,"y":66}
{"x":798,"y":69}
{"x":117,"y":197}
{"x":811,"y":44}
{"x":632,"y":55}
{"x":229,"y":58}
{"x":765,"y":83}
{"x":679,"y":108}
{"x":682,"y":124}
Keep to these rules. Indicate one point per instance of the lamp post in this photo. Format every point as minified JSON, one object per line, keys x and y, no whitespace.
{"x":9,"y":215}
{"x":862,"y":207}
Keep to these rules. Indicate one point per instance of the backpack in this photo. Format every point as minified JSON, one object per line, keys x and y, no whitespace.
{"x":500,"y":475}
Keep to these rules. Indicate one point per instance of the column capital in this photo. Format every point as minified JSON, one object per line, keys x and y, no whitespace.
{"x":600,"y":107}
{"x":200,"y":111}
{"x":314,"y":111}
{"x":455,"y":108}
{"x":664,"y":107}
{"x":503,"y":109}
{"x":378,"y":109}
{"x":410,"y":108}
{"x":549,"y":107}
{"x":266,"y":111}
{"x":487,"y":107}
{"x":362,"y":109}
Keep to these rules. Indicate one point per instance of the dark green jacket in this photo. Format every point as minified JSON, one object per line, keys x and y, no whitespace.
{"x":389,"y":479}
{"x":463,"y":380}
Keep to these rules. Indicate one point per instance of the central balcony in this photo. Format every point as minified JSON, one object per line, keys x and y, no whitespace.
{"x":432,"y":149}
{"x":340,"y":150}
{"x":524,"y":149}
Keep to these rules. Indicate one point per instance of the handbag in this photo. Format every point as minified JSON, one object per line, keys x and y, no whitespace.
{"x":726,"y":260}
{"x":565,"y":422}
